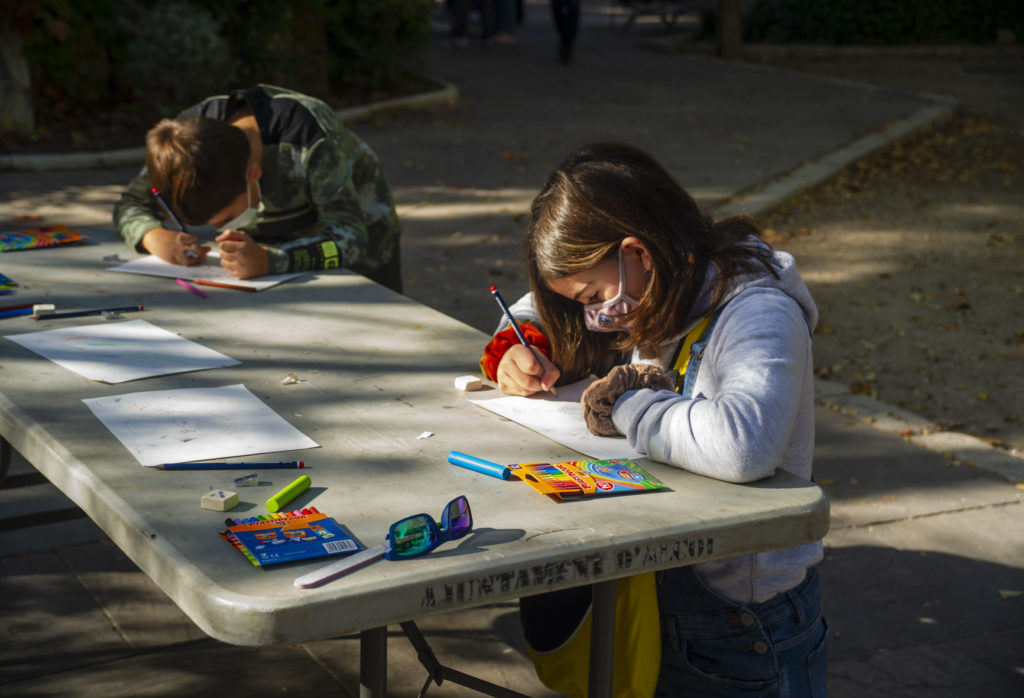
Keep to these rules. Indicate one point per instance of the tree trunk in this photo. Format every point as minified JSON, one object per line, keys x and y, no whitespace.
{"x":730,"y":32}
{"x":15,"y":86}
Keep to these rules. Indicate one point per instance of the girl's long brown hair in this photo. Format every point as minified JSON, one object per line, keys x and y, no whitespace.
{"x":601,"y":194}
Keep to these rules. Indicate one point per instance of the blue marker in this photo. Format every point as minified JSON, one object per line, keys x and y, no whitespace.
{"x":480,"y":465}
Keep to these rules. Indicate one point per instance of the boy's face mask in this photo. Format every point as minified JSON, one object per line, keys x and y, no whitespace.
{"x":248,"y":216}
{"x":600,"y":317}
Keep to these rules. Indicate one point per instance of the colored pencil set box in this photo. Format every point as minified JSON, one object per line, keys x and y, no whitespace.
{"x":299,"y":535}
{"x":49,"y":236}
{"x":584,"y":478}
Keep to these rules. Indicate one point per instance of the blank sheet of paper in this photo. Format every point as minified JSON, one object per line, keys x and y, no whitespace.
{"x":174,"y":426}
{"x":209,"y":272}
{"x":560,"y":419}
{"x":115,"y":352}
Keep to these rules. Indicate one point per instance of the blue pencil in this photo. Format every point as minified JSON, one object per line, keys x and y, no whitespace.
{"x":230,"y":466}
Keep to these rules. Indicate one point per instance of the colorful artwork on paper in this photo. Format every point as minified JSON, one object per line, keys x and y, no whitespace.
{"x":48,"y":236}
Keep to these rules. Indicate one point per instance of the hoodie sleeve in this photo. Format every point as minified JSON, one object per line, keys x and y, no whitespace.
{"x":737,"y":426}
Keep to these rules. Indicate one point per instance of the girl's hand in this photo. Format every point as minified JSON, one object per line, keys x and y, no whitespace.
{"x":174,"y":246}
{"x":600,"y":396}
{"x":241,"y":256}
{"x":520,"y":373}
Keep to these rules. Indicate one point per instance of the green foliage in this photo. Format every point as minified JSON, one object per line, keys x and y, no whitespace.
{"x":159,"y":56}
{"x":70,"y":46}
{"x":882,"y":21}
{"x":174,"y":57}
{"x":373,"y":43}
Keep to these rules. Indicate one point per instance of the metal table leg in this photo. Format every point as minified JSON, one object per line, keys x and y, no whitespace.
{"x":438,"y":673}
{"x":373,"y":663}
{"x":602,"y":639}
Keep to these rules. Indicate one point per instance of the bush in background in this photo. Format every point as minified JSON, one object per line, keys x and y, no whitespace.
{"x":375,"y":43}
{"x":174,"y":57}
{"x":883,"y":21}
{"x":146,"y":58}
{"x":71,"y":47}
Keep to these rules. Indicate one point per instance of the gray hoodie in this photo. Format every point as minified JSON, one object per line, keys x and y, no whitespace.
{"x":752,"y":412}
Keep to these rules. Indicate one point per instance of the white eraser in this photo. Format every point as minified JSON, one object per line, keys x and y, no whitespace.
{"x":42,"y":308}
{"x":468,"y":383}
{"x":219,"y":500}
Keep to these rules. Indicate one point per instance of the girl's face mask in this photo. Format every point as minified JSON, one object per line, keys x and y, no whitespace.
{"x":601,"y":317}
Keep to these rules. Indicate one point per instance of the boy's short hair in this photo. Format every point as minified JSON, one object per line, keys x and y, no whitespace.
{"x":198,"y":164}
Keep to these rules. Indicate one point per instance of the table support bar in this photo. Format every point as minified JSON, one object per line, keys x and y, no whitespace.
{"x":438,"y":673}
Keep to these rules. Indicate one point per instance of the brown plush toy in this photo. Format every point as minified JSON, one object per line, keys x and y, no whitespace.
{"x":600,"y":396}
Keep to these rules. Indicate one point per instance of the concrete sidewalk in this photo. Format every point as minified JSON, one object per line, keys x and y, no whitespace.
{"x":924,"y":559}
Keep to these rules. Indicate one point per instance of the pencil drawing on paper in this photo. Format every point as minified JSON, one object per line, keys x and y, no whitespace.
{"x":169,"y":426}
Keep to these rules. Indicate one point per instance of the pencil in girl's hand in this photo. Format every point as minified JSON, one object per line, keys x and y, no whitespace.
{"x":517,"y":329}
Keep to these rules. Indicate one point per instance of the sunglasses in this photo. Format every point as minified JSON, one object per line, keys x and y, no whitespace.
{"x":420,"y":533}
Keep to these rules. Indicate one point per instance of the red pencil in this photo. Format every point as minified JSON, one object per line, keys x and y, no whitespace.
{"x":217,"y":283}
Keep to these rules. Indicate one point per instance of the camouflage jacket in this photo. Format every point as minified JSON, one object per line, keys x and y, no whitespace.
{"x":324,"y":199}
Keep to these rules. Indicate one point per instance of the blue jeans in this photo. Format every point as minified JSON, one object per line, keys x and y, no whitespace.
{"x":712,"y":646}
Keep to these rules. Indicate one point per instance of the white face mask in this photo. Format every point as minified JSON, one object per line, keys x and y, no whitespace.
{"x":599,"y":317}
{"x":246,"y":217}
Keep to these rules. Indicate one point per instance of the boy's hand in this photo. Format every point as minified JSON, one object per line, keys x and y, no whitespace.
{"x":174,"y":246}
{"x":241,"y":256}
{"x":520,"y":373}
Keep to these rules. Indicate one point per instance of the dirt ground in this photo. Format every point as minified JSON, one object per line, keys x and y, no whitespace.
{"x":915,"y":254}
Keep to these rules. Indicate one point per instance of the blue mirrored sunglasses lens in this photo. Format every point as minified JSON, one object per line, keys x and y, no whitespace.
{"x":459,"y":518}
{"x":412,"y":536}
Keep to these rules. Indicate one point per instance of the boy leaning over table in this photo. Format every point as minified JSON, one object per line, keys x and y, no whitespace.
{"x":287,"y":186}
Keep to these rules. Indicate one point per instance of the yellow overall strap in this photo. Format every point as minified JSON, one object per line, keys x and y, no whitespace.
{"x":682,"y":360}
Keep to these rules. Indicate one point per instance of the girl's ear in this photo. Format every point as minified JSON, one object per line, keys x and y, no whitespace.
{"x":254,"y":171}
{"x":632,"y":245}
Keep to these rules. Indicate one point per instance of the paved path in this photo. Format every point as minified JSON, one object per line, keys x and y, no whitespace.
{"x":924,"y":557}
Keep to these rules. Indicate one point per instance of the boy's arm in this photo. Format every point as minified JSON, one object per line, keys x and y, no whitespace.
{"x":136,"y":213}
{"x":358,"y":225}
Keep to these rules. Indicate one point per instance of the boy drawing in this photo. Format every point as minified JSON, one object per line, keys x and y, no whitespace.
{"x":287,"y":186}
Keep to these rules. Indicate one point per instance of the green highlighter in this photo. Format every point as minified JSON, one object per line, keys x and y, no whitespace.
{"x":300,"y":485}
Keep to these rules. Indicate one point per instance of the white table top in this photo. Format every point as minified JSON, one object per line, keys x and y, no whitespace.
{"x":376,"y":371}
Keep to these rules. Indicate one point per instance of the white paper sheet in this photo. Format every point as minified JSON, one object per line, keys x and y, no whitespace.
{"x":560,"y":419}
{"x":174,"y":426}
{"x":115,"y":352}
{"x":210,"y":273}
